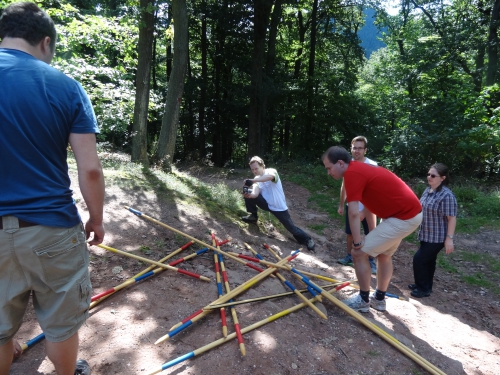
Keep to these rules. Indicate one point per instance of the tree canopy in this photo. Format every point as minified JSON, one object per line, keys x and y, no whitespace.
{"x":287,"y":79}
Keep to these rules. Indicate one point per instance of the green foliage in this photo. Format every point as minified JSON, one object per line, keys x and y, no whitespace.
{"x":325,"y":191}
{"x":318,"y":228}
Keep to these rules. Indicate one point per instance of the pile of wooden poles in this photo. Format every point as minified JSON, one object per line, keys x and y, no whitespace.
{"x":226,"y":298}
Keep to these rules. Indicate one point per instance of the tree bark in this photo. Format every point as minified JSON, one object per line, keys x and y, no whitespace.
{"x":262,"y":12}
{"x":493,"y":45}
{"x":145,"y":46}
{"x":170,"y":121}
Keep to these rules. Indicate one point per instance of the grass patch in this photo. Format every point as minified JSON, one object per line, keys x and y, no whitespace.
{"x":325,"y":191}
{"x":318,"y":228}
{"x":444,"y":262}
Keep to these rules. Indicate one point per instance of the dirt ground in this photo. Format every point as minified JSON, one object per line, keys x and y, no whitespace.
{"x":456,"y":329}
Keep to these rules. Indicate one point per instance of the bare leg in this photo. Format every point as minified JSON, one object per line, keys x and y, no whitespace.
{"x":63,"y":354}
{"x":384,"y":271}
{"x":6,"y":355}
{"x":362,"y":268}
{"x":349,"y":243}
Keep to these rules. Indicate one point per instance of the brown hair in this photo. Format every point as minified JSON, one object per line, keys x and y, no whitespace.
{"x":256,"y":159}
{"x":443,"y":171}
{"x":360,"y":138}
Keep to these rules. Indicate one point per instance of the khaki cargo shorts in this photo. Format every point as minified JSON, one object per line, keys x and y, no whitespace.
{"x":51,"y":264}
{"x":387,"y":236}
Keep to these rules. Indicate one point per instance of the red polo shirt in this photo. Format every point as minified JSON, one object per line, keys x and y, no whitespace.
{"x":381,"y":191}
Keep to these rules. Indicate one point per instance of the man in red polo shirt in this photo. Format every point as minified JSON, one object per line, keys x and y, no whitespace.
{"x":385,"y":195}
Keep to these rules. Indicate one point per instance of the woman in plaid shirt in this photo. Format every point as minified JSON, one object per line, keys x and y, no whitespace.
{"x":439,"y":210}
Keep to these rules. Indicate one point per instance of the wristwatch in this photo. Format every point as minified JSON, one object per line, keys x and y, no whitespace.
{"x":449,"y":235}
{"x":357,"y":244}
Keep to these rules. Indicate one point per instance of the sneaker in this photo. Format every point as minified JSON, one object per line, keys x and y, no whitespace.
{"x":82,"y":367}
{"x":376,"y":304}
{"x":346,"y":261}
{"x":373,"y":265}
{"x":357,"y":303}
{"x":310,"y":244}
{"x":251,"y":219}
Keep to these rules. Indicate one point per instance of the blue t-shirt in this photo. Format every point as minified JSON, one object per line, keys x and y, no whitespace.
{"x":39,"y":108}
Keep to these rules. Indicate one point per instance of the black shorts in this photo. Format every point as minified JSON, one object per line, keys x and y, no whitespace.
{"x":348,"y":227}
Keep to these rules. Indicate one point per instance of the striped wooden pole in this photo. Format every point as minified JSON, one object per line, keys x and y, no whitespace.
{"x":264,"y":298}
{"x":384,"y":335}
{"x":158,"y":264}
{"x":233,"y":309}
{"x":140,"y":214}
{"x":296,"y":291}
{"x":219,"y":289}
{"x":235,"y":292}
{"x":231,"y":336}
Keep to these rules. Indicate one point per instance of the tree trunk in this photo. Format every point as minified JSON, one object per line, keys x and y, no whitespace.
{"x":145,"y":46}
{"x":267,"y":124}
{"x":168,"y":133}
{"x":310,"y":128}
{"x":262,"y":11}
{"x":493,"y":45}
{"x":204,"y":80}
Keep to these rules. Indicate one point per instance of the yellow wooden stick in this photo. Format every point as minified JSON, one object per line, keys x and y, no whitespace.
{"x":235,"y":292}
{"x":146,"y":270}
{"x":296,"y":291}
{"x":387,"y":337}
{"x":233,"y":309}
{"x":263,"y":298}
{"x":204,"y":244}
{"x":166,"y":266}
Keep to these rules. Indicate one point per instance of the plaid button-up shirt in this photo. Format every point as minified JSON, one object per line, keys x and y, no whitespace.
{"x":435,"y":209}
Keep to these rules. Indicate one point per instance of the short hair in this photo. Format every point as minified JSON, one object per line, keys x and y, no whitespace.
{"x":360,"y":138}
{"x":29,"y":22}
{"x":443,"y":171}
{"x":256,"y":159}
{"x":336,"y":153}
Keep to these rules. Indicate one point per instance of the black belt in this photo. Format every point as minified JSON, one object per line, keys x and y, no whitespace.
{"x":22,"y":223}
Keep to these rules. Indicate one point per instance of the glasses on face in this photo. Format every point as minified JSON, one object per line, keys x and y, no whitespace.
{"x":357,"y":148}
{"x":432,"y":175}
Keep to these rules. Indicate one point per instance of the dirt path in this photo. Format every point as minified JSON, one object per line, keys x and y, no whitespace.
{"x":456,"y":329}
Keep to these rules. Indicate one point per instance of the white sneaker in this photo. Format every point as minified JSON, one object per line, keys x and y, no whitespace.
{"x":357,"y":303}
{"x":376,"y":304}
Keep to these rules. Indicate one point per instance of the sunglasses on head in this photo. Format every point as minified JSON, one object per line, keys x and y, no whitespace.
{"x":432,"y":175}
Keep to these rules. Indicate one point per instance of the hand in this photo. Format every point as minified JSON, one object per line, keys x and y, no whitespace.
{"x":341,"y":210}
{"x":448,"y":245}
{"x":17,"y":349}
{"x":98,"y":230}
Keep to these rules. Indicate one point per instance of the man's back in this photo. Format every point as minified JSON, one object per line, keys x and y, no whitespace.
{"x":40,"y":108}
{"x":381,"y":191}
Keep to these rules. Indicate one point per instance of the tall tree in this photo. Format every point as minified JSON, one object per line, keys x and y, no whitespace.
{"x":170,"y":121}
{"x":262,"y":12}
{"x":142,"y":82}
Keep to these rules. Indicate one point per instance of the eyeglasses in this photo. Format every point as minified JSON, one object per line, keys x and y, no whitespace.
{"x":432,"y":175}
{"x":358,"y":148}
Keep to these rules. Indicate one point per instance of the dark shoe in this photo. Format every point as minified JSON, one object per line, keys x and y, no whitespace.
{"x":310,"y":244}
{"x":414,"y":286}
{"x":82,"y":367}
{"x":419,"y":294}
{"x":251,"y":219}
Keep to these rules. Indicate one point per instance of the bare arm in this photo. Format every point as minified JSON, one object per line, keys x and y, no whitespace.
{"x":91,"y":180}
{"x":448,"y":243}
{"x":343,"y":197}
{"x":354,"y":222}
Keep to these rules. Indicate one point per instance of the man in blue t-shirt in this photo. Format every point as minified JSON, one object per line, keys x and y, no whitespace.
{"x":43,"y":250}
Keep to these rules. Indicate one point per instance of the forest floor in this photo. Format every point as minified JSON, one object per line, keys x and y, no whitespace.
{"x":456,"y":329}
